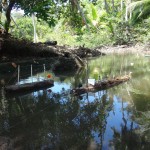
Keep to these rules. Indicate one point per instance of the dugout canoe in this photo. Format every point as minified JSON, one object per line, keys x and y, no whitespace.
{"x":101,"y":85}
{"x":29,"y":86}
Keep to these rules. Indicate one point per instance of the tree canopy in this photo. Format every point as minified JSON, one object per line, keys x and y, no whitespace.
{"x":47,"y":10}
{"x":50,"y":10}
{"x":110,"y":17}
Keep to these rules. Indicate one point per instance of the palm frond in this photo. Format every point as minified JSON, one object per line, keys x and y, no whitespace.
{"x":139,"y":9}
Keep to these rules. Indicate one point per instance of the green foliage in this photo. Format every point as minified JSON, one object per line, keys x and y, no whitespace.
{"x":44,"y":9}
{"x":123,"y":33}
{"x":25,"y":29}
{"x":143,"y":30}
{"x":104,"y":28}
{"x":140,"y":10}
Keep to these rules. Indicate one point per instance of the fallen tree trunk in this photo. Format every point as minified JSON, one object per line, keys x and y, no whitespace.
{"x":101,"y":85}
{"x":68,"y":57}
{"x":20,"y":47}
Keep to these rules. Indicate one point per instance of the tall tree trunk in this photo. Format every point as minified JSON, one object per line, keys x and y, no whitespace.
{"x":127,"y":15}
{"x":81,"y":12}
{"x":1,"y":10}
{"x":130,"y":10}
{"x":121,"y":4}
{"x":121,"y":8}
{"x":73,"y":5}
{"x":8,"y":13}
{"x":113,"y":6}
{"x":106,"y":6}
{"x":34,"y":27}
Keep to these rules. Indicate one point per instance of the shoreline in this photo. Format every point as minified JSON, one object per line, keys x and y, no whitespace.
{"x":126,"y":49}
{"x":140,"y":49}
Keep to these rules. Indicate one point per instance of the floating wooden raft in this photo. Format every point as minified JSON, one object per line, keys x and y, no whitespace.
{"x":29,"y":86}
{"x":101,"y":85}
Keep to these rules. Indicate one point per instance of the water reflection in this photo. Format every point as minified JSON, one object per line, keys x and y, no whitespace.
{"x":63,"y":121}
{"x":55,"y":119}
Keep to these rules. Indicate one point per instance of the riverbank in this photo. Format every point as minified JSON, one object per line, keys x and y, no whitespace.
{"x":63,"y":58}
{"x":142,"y":49}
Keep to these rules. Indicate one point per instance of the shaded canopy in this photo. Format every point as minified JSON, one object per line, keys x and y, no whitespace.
{"x":47,"y":10}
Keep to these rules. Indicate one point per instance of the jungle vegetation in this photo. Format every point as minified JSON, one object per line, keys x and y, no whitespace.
{"x":90,"y":22}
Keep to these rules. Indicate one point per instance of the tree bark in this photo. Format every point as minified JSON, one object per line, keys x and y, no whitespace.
{"x":35,"y":39}
{"x":113,"y":6}
{"x":130,"y":10}
{"x":8,"y":16}
{"x":106,"y":6}
{"x":81,"y":12}
{"x":121,"y":8}
{"x":0,"y":10}
{"x":127,"y":15}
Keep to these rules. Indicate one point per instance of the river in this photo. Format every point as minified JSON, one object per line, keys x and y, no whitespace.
{"x":56,"y":120}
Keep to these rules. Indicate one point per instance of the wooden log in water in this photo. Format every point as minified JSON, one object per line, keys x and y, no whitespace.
{"x":100,"y":85}
{"x":50,"y":43}
{"x":29,"y":86}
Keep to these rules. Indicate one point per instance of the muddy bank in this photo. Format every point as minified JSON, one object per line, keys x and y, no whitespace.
{"x":13,"y":47}
{"x":63,"y":58}
{"x":143,"y":49}
{"x":67,"y":58}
